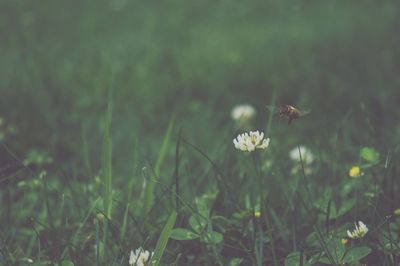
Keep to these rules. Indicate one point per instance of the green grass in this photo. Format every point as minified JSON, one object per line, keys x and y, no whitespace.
{"x":116,"y":132}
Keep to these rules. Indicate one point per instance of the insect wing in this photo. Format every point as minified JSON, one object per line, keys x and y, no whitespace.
{"x":306,"y":112}
{"x":273,"y":109}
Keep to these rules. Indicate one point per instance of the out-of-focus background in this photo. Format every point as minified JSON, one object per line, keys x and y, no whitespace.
{"x":63,"y":62}
{"x":60,"y":58}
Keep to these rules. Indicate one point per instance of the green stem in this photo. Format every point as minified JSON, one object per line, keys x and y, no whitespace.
{"x":305,"y":176}
{"x":264,"y":215}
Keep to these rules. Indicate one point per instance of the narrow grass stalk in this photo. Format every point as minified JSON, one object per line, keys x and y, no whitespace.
{"x":269,"y":231}
{"x":176,"y":172}
{"x":74,"y":238}
{"x":327,"y":217}
{"x":124,"y":222}
{"x":222,"y":184}
{"x":163,"y":239}
{"x":260,"y":257}
{"x":317,"y":230}
{"x":82,"y":224}
{"x":257,"y":225}
{"x":323,"y":244}
{"x":49,"y":212}
{"x":149,"y":190}
{"x":98,"y":242}
{"x":305,"y":176}
{"x":106,"y":165}
{"x":295,"y":227}
{"x":85,"y":151}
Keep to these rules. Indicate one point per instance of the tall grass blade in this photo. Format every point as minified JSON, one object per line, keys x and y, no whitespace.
{"x":45,"y":190}
{"x":163,"y":239}
{"x":149,"y":191}
{"x":323,"y":244}
{"x":124,"y":222}
{"x":106,"y":164}
{"x":222,"y":184}
{"x":74,"y":239}
{"x":176,"y":172}
{"x":106,"y":167}
{"x":85,"y":151}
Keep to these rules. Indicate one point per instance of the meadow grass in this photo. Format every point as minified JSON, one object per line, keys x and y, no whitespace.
{"x":116,"y":132}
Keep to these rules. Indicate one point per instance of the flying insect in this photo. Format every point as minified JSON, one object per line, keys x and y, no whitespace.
{"x":288,"y":111}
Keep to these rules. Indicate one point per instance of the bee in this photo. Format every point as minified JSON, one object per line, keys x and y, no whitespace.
{"x":288,"y":111}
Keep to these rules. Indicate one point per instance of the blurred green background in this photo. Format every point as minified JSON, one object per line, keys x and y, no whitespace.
{"x":62,"y":62}
{"x":59,"y":60}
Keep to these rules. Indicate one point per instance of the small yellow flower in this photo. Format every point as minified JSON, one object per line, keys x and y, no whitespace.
{"x":355,"y":171}
{"x":397,"y":212}
{"x":344,"y":241}
{"x":257,"y":214}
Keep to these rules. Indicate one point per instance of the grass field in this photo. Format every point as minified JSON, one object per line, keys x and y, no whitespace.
{"x":116,"y":132}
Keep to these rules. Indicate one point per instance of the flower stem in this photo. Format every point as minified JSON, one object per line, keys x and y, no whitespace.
{"x":264,"y":215}
{"x":305,"y":176}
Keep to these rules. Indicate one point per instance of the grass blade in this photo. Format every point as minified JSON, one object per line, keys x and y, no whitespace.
{"x":163,"y":239}
{"x":85,"y":150}
{"x":106,"y":165}
{"x":124,"y":223}
{"x":149,"y":191}
{"x":176,"y":172}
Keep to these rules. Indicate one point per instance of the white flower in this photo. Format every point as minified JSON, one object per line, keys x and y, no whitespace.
{"x":306,"y":155}
{"x":251,"y":141}
{"x":359,"y":232}
{"x":242,"y":112}
{"x":140,"y":257}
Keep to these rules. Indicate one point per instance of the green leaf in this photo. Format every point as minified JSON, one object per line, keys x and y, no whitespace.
{"x":183,"y":234}
{"x":244,"y":214}
{"x":163,"y":239}
{"x":323,"y":201}
{"x":388,"y":240}
{"x":67,"y":263}
{"x":293,"y":259}
{"x":201,"y":204}
{"x":391,"y":248}
{"x":197,"y":223}
{"x":336,"y":249}
{"x":314,"y":259}
{"x":312,"y":239}
{"x":325,"y":260}
{"x":356,"y":254}
{"x":212,"y":238}
{"x":346,"y":206}
{"x":333,"y":210}
{"x":235,"y":262}
{"x":369,"y":154}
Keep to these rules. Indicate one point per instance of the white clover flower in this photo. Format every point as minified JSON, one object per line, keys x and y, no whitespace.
{"x":251,"y":141}
{"x":306,"y":155}
{"x":359,"y":232}
{"x":242,"y":112}
{"x":140,"y":257}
